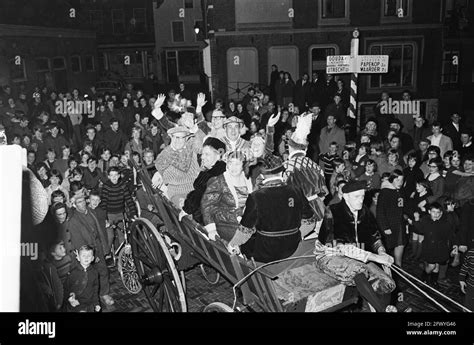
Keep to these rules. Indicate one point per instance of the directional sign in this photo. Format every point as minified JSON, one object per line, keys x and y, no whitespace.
{"x":336,"y":64}
{"x":371,"y":64}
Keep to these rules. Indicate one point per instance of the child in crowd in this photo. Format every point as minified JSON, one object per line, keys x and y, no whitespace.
{"x":72,"y":163}
{"x":55,"y":180}
{"x":393,"y":161}
{"x":340,"y":173}
{"x":326,"y":160}
{"x":82,"y":284}
{"x":104,"y":160}
{"x":116,"y":200}
{"x":437,"y":243}
{"x":412,"y":174}
{"x":417,"y":209}
{"x":359,"y":161}
{"x":371,"y":176}
{"x":94,"y":203}
{"x":50,"y":158}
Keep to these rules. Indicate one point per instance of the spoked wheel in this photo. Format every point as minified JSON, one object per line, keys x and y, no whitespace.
{"x":218,"y":307}
{"x":156,"y":268}
{"x":127,"y":270}
{"x":209,"y":274}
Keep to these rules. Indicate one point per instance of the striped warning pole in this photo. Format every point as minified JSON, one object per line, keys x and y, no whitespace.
{"x":354,"y":77}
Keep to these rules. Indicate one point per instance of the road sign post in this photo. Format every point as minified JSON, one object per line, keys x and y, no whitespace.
{"x":355,"y":64}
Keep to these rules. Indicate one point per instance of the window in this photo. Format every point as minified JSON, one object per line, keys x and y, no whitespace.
{"x":394,"y":11}
{"x":118,"y":22}
{"x":401,"y":65}
{"x":59,"y":63}
{"x":333,"y":12}
{"x":450,"y":68}
{"x":317,"y":58}
{"x":89,"y":63}
{"x":263,"y":13}
{"x":177,"y":31}
{"x":96,"y":20}
{"x":139,"y":20}
{"x":76,"y":63}
{"x":188,"y":4}
{"x":17,"y":69}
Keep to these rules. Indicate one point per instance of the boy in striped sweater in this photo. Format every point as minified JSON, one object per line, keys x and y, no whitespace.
{"x":116,"y":200}
{"x":466,"y":279}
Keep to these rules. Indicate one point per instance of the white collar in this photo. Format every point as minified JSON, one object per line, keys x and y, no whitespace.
{"x":272,"y":179}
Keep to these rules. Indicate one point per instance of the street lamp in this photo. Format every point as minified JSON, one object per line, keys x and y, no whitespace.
{"x":196,"y":28}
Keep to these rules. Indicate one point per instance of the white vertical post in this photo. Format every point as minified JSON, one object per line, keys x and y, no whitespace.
{"x":12,"y":159}
{"x":354,"y":76}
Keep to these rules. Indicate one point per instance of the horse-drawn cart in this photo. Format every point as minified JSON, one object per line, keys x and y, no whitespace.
{"x":164,"y":250}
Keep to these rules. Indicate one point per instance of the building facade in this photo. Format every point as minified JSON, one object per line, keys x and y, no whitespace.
{"x":298,"y":35}
{"x":61,"y":59}
{"x":178,"y":47}
{"x":125,"y":37}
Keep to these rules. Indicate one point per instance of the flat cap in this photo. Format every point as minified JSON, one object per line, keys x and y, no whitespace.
{"x":353,"y":186}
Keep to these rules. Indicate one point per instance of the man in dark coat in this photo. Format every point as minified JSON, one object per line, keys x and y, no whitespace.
{"x":453,"y":130}
{"x":302,"y":92}
{"x":270,"y":226}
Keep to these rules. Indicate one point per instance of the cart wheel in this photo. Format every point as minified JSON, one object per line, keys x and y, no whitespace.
{"x":218,"y":307}
{"x":127,"y":270}
{"x":207,"y":275}
{"x":156,"y":268}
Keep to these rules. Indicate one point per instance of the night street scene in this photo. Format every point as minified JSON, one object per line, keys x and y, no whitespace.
{"x":241,"y":156}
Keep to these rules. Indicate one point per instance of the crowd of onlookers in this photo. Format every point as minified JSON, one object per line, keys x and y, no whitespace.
{"x":419,"y":175}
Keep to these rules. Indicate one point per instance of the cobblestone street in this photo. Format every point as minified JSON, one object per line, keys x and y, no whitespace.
{"x":200,"y":293}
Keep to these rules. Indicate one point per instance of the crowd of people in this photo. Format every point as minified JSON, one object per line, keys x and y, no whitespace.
{"x":218,"y":163}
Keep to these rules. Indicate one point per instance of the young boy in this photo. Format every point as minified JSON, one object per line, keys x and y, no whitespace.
{"x":99,"y":213}
{"x":437,"y":245}
{"x":371,"y":176}
{"x":92,"y":177}
{"x":326,"y":159}
{"x":466,"y":279}
{"x":51,"y":158}
{"x":56,"y":267}
{"x":340,"y":170}
{"x":116,"y":200}
{"x":82,"y":285}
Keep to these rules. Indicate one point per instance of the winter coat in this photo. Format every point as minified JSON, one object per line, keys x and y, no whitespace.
{"x":390,"y":207}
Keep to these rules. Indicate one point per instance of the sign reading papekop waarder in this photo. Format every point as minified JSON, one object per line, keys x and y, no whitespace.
{"x":371,"y":64}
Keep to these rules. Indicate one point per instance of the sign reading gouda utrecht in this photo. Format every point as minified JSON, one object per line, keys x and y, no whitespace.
{"x":336,"y":64}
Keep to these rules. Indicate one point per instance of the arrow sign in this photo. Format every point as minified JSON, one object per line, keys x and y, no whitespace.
{"x":336,"y":64}
{"x":371,"y":64}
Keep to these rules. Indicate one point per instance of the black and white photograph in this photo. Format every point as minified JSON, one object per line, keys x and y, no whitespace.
{"x":308,"y":158}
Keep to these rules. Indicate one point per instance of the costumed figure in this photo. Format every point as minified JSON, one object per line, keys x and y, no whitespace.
{"x":274,"y":219}
{"x":177,"y":165}
{"x":234,"y":128}
{"x":302,"y":171}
